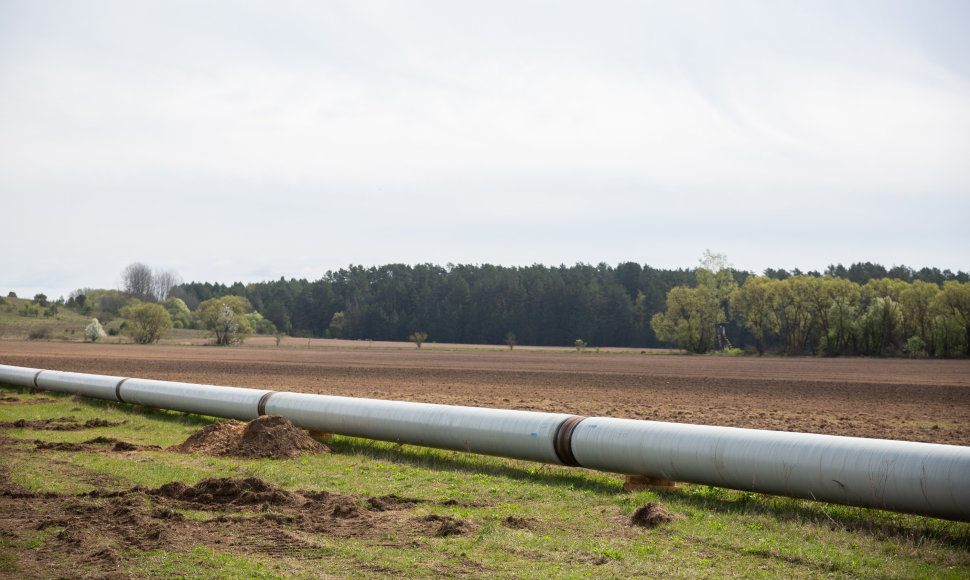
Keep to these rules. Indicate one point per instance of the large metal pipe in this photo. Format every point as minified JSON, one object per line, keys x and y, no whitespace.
{"x":920,"y":478}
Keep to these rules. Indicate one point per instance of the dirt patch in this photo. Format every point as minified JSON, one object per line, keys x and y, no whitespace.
{"x":445,"y":526}
{"x":517,"y":523}
{"x":652,"y":515}
{"x":58,"y":424}
{"x":270,"y":436}
{"x":10,"y":400}
{"x":98,"y":444}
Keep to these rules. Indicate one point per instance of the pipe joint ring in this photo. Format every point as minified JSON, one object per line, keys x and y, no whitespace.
{"x":563,"y":441}
{"x":118,"y":389}
{"x":261,"y":407}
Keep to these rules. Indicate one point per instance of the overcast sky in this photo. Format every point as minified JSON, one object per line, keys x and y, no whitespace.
{"x":246,"y":141}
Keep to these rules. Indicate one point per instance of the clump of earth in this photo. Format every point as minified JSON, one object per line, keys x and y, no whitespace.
{"x":652,"y":515}
{"x":269,"y":436}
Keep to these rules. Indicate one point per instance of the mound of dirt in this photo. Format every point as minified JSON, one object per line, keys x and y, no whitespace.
{"x":269,"y":436}
{"x":652,"y":515}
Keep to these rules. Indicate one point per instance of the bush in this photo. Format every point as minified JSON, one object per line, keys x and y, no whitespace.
{"x":915,"y":347}
{"x":418,"y":338}
{"x":40,"y":333}
{"x":30,"y":310}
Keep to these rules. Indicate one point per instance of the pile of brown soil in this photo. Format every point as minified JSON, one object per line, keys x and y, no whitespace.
{"x":652,"y":515}
{"x":269,"y":436}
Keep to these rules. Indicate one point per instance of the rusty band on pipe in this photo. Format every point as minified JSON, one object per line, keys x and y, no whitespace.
{"x":36,"y":376}
{"x":261,"y":407}
{"x":564,"y":441}
{"x":118,"y":390}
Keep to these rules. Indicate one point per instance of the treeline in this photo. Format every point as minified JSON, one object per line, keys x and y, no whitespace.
{"x":820,"y":315}
{"x":539,"y":305}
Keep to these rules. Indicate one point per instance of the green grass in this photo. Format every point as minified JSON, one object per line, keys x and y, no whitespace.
{"x":578,"y":519}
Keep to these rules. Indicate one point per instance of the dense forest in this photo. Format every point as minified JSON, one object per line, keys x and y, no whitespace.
{"x":627,"y":305}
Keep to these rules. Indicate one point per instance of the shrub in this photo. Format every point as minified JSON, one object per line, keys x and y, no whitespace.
{"x":418,"y":338}
{"x":39,"y":333}
{"x":30,"y":310}
{"x":259,"y":324}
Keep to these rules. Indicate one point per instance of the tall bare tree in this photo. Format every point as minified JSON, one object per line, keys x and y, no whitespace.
{"x":137,"y":280}
{"x":164,"y":282}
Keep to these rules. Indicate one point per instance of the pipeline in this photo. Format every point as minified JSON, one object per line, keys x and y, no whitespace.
{"x":918,"y":478}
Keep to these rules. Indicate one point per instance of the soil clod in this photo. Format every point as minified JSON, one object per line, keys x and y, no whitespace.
{"x":652,"y":515}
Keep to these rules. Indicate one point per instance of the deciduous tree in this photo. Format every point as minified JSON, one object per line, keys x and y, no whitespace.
{"x":147,"y":322}
{"x":953,"y":302}
{"x":755,"y":306}
{"x":690,"y":320}
{"x":225,"y":318}
{"x":94,"y":331}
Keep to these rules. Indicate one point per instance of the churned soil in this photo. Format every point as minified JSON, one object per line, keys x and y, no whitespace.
{"x":89,"y":533}
{"x":917,"y":400}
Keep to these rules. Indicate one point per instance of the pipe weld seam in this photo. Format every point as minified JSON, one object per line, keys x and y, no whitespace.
{"x":261,"y":407}
{"x":118,"y":389}
{"x":563,"y":441}
{"x":36,"y":376}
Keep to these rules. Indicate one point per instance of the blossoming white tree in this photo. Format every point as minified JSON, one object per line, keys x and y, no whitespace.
{"x":94,"y":331}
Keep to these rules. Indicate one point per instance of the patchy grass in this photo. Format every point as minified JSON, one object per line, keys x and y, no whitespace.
{"x":520,"y":519}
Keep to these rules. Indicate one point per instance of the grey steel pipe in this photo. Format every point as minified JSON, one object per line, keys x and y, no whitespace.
{"x":920,"y":478}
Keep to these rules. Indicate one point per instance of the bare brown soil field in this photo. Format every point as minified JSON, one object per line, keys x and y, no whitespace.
{"x":916,"y":400}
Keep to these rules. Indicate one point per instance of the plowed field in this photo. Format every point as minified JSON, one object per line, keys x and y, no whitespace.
{"x":916,"y":400}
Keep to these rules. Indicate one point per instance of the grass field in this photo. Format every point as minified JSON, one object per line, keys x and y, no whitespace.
{"x":74,"y":506}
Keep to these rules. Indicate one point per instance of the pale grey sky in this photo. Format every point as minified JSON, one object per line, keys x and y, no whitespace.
{"x":251,"y":140}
